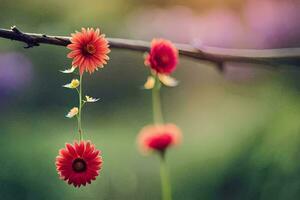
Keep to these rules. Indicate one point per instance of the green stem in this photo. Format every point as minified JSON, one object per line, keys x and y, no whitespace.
{"x":158,"y":119}
{"x":156,"y":103}
{"x":165,"y":180}
{"x":79,"y":109}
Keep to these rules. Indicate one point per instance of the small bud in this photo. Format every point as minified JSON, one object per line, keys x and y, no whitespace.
{"x":149,"y":83}
{"x":74,"y":84}
{"x":167,"y":80}
{"x":91,"y":99}
{"x":72,"y":112}
{"x":68,"y":71}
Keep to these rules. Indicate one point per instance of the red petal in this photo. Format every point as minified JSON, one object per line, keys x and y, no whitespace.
{"x":71,"y":149}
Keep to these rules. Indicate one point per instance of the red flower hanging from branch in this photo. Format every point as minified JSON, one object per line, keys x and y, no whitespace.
{"x":163,"y":56}
{"x":162,"y":60}
{"x":80,"y":163}
{"x":89,"y":50}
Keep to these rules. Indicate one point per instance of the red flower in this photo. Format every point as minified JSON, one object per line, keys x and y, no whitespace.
{"x":79,"y":163}
{"x":158,"y":137}
{"x":163,"y":56}
{"x":89,"y":50}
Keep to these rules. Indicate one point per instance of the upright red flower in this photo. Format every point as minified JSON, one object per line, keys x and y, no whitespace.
{"x":79,"y":163}
{"x":158,"y":137}
{"x":163,"y":56}
{"x":89,"y":50}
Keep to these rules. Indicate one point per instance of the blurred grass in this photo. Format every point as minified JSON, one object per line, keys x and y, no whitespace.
{"x":218,"y":159}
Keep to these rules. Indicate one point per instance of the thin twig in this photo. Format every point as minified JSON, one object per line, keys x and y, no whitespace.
{"x":216,"y":55}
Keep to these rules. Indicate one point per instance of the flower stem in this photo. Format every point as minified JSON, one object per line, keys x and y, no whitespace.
{"x":158,"y":118}
{"x":165,"y":180}
{"x":156,"y":103}
{"x":79,"y":110}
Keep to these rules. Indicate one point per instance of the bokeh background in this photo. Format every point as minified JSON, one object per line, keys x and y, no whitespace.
{"x":241,"y":127}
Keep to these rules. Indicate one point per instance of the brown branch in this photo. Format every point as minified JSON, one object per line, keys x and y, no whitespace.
{"x":212,"y":54}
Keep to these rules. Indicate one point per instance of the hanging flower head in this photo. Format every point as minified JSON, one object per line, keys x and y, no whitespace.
{"x":158,"y":137}
{"x":163,"y":56}
{"x":79,"y":163}
{"x":89,"y":50}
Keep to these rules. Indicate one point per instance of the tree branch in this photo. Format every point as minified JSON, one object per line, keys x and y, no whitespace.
{"x":216,"y":55}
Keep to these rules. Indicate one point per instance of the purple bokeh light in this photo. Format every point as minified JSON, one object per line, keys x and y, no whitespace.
{"x":259,"y":24}
{"x":15,"y":73}
{"x":273,"y":24}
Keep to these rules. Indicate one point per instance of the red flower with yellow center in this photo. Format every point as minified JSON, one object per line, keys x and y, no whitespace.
{"x":158,"y":137}
{"x":163,"y":56}
{"x":79,"y":164}
{"x":89,"y":50}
